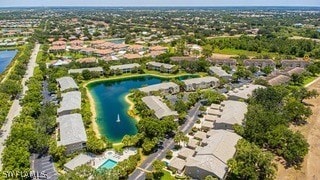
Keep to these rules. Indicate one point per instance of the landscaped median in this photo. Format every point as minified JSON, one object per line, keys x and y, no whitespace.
{"x":10,"y":85}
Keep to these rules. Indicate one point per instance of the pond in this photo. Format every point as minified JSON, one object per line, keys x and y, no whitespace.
{"x":110,"y":104}
{"x":5,"y":58}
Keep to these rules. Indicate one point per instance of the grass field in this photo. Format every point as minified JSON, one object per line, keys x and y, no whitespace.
{"x":229,"y":51}
{"x":117,"y":146}
{"x":309,"y":80}
{"x":167,"y":176}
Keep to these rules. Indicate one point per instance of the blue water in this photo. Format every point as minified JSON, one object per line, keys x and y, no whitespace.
{"x":5,"y":59}
{"x":109,"y":164}
{"x":109,"y":98}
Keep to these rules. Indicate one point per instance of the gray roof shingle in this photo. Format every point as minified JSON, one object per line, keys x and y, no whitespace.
{"x":71,"y":129}
{"x":219,"y":71}
{"x":125,"y":66}
{"x":160,"y":108}
{"x":79,"y":160}
{"x":245,"y":91}
{"x":206,"y":79}
{"x":66,"y":83}
{"x":159,"y":87}
{"x":177,"y":163}
{"x":93,"y":69}
{"x":214,"y":156}
{"x":157,"y":64}
{"x":232,"y":112}
{"x":70,"y":101}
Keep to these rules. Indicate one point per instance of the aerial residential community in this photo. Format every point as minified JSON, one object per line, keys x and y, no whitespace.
{"x":203,"y":92}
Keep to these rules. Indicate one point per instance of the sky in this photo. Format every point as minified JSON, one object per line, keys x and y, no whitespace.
{"x":31,"y":3}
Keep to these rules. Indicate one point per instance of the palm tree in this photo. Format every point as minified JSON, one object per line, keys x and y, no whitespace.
{"x":180,"y":136}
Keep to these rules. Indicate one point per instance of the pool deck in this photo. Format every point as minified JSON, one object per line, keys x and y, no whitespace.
{"x":111,"y":154}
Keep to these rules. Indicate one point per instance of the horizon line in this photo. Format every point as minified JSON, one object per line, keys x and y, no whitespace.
{"x":177,"y":6}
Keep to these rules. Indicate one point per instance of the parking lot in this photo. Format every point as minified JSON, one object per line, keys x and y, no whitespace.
{"x":44,"y":166}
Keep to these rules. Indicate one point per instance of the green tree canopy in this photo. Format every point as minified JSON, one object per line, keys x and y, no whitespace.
{"x":250,"y":162}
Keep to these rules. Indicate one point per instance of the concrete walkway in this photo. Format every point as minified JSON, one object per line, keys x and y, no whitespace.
{"x":16,"y":108}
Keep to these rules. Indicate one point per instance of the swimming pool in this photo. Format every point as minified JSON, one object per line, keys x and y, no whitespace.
{"x":109,"y":164}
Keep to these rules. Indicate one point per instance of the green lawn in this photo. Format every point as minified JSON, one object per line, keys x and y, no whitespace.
{"x":117,"y":146}
{"x":3,"y":48}
{"x":167,"y":176}
{"x":229,"y":51}
{"x":309,"y":80}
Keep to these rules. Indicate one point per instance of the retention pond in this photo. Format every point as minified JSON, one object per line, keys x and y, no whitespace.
{"x":110,"y":104}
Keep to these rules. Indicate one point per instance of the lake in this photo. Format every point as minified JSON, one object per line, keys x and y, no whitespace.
{"x":5,"y":58}
{"x":109,"y":97}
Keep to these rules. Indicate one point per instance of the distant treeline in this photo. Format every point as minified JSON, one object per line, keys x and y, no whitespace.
{"x":270,"y":43}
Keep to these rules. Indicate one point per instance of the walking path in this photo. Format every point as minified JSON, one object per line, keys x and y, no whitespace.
{"x":16,"y":108}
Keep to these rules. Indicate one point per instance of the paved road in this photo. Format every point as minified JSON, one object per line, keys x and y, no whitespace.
{"x":16,"y":108}
{"x":168,"y":144}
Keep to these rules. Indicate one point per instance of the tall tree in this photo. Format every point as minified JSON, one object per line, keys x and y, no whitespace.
{"x":296,"y":111}
{"x":250,"y":162}
{"x":207,"y":50}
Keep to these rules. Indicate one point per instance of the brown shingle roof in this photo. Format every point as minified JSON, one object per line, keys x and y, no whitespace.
{"x":182,"y":58}
{"x":278,"y":80}
{"x":131,"y":56}
{"x":87,"y":60}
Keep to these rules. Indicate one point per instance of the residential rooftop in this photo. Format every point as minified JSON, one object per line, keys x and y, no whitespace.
{"x":278,"y":80}
{"x":159,"y":87}
{"x":70,"y":101}
{"x":77,"y":161}
{"x":243,"y":92}
{"x":161,"y":109}
{"x":67,"y":83}
{"x":200,"y":135}
{"x":232,"y":112}
{"x":87,"y":60}
{"x":259,"y":62}
{"x":157,"y":64}
{"x":125,"y":66}
{"x":71,"y":129}
{"x":183,"y":58}
{"x":219,"y":71}
{"x":186,"y":152}
{"x":200,"y":80}
{"x":193,"y":143}
{"x":177,"y":163}
{"x":213,"y":157}
{"x":296,"y":70}
{"x":93,"y":69}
